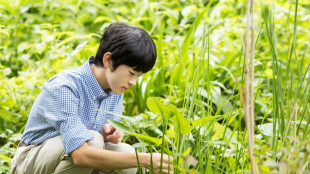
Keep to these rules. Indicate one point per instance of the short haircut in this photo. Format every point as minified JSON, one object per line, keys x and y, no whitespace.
{"x":131,"y":46}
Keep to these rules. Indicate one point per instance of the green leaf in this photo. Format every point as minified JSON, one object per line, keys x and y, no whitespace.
{"x":148,"y":139}
{"x":187,"y":151}
{"x":8,"y":103}
{"x":266,"y":129}
{"x":120,"y":126}
{"x":8,"y":116}
{"x":180,"y":121}
{"x":204,"y":120}
{"x":158,"y":107}
{"x":67,"y":40}
{"x":232,"y":118}
{"x":100,"y":19}
{"x":219,"y":129}
{"x":6,"y":158}
{"x":170,"y":133}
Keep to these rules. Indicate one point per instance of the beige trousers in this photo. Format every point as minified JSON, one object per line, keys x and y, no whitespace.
{"x":50,"y":157}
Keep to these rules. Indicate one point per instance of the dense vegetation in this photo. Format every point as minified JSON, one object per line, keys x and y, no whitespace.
{"x":189,"y":105}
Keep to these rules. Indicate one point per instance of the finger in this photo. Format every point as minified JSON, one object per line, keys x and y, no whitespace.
{"x":171,"y":168}
{"x":164,"y":171}
{"x":167,"y":158}
{"x":121,"y":136}
{"x":109,"y":138}
{"x":106,"y":128}
{"x":103,"y":128}
{"x":116,"y":141}
{"x":117,"y":133}
{"x":119,"y":139}
{"x":116,"y":137}
{"x":170,"y":159}
{"x":165,"y":165}
{"x":112,"y":128}
{"x":167,"y":172}
{"x":113,"y":139}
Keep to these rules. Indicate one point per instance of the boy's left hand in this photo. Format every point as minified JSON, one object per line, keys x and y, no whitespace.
{"x":111,"y":134}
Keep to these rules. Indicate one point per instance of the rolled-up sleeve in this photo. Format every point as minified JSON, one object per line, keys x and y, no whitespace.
{"x":62,"y":114}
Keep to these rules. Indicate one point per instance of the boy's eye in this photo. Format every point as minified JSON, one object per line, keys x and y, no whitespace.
{"x":131,"y":73}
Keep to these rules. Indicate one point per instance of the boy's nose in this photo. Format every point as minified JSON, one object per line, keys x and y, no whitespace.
{"x":133,"y":81}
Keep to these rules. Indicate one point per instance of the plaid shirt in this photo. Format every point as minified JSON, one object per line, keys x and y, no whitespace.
{"x":68,"y":106}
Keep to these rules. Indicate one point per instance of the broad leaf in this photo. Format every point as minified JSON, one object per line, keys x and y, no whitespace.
{"x":204,"y":120}
{"x":180,"y":121}
{"x":158,"y":107}
{"x":120,"y":126}
{"x":140,"y":144}
{"x":148,"y":139}
{"x":8,"y":116}
{"x":266,"y":129}
{"x":219,"y":129}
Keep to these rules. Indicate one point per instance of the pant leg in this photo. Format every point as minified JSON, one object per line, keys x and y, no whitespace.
{"x":19,"y":162}
{"x":66,"y":165}
{"x":49,"y":157}
{"x":121,"y":147}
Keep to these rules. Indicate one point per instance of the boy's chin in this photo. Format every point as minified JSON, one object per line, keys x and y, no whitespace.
{"x":118,"y":92}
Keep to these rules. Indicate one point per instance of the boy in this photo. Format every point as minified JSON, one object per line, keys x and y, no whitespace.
{"x":65,"y":132}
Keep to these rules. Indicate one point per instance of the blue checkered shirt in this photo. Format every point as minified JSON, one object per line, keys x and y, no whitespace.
{"x":68,"y":106}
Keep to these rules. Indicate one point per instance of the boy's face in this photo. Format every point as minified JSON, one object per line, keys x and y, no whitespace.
{"x":122,"y":78}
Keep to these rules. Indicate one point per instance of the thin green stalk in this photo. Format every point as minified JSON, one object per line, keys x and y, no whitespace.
{"x":137,"y":157}
{"x":208,"y":79}
{"x":278,"y":118}
{"x":151,"y":160}
{"x":162,"y":145}
{"x":302,"y":95}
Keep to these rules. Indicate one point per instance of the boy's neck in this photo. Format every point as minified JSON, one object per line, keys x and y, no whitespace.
{"x":100,"y":75}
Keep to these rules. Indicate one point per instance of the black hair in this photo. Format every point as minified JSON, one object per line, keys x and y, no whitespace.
{"x":131,"y":46}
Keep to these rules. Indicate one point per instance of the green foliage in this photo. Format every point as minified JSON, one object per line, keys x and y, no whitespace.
{"x":158,"y":107}
{"x":189,"y":104}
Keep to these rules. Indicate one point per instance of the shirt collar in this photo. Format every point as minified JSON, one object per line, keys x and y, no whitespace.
{"x":93,"y":86}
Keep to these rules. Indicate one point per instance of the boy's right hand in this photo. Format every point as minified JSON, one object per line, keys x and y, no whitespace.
{"x":111,"y":134}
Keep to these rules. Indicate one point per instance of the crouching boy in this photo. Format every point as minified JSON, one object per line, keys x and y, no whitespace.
{"x":65,"y":132}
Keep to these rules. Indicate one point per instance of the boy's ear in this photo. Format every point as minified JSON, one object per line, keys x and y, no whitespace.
{"x":107,"y":60}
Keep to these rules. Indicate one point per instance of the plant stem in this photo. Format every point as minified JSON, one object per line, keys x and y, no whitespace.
{"x":249,"y":77}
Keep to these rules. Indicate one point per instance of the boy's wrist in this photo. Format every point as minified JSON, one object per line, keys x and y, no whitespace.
{"x":143,"y":160}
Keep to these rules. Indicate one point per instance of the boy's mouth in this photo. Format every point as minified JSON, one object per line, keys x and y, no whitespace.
{"x":124,"y":88}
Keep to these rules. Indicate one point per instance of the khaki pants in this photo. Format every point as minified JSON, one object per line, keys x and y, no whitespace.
{"x":50,"y":157}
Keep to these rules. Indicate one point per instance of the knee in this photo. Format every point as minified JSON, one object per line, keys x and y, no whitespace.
{"x":121,"y":147}
{"x":97,"y":141}
{"x":127,"y":148}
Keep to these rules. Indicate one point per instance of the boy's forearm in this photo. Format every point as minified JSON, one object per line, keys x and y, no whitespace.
{"x":92,"y":157}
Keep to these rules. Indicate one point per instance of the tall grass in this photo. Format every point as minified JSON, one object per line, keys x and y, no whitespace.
{"x":290,"y":94}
